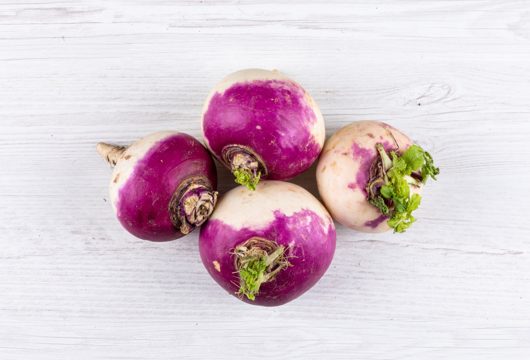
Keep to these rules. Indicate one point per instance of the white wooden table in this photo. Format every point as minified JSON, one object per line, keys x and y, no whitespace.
{"x":455,"y":75}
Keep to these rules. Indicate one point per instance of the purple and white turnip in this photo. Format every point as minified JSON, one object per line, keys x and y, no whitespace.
{"x":268,"y":246}
{"x":162,"y":186}
{"x":261,"y":124}
{"x":370,"y":176}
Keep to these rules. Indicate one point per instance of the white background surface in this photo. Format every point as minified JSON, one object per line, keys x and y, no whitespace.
{"x":455,"y":75}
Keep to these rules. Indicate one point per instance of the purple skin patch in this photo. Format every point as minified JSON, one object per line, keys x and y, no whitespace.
{"x":376,"y":222}
{"x":352,"y":186}
{"x":310,"y":251}
{"x":366,"y":157}
{"x":272,"y":118}
{"x":143,"y":201}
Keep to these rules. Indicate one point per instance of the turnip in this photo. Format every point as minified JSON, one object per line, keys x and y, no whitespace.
{"x":370,"y":176}
{"x":268,"y":246}
{"x":162,"y":186}
{"x":261,"y":124}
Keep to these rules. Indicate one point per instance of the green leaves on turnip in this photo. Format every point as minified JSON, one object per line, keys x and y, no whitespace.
{"x":394,"y":175}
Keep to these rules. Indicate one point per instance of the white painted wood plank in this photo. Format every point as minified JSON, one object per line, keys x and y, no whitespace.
{"x":455,"y":75}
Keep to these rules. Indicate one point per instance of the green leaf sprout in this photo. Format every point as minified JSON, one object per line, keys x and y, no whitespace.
{"x":391,"y":178}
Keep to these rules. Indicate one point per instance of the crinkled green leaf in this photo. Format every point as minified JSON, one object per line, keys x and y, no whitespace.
{"x":428,"y":168}
{"x":387,"y":191}
{"x":246,"y":178}
{"x":414,"y":158}
{"x":251,"y":275}
{"x":379,"y":203}
{"x":413,"y":161}
{"x":398,"y":164}
{"x":414,"y":203}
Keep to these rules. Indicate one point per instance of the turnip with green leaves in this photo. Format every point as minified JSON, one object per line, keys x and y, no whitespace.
{"x":370,"y":176}
{"x":162,"y":186}
{"x":268,"y":246}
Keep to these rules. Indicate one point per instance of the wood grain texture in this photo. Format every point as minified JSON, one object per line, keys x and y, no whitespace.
{"x":455,"y":75}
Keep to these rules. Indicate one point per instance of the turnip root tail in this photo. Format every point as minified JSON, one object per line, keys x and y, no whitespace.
{"x":110,"y":153}
{"x":258,"y":261}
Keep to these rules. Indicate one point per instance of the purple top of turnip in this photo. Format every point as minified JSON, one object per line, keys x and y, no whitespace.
{"x":261,"y":124}
{"x":269,"y":246}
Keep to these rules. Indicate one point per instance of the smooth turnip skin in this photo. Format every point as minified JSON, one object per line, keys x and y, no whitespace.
{"x":158,"y":181}
{"x":269,"y":115}
{"x":283,"y":213}
{"x":343,"y":172}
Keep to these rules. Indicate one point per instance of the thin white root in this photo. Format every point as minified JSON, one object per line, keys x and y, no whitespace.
{"x":111,"y":153}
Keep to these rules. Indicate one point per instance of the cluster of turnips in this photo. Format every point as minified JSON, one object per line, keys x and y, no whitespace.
{"x":266,"y":241}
